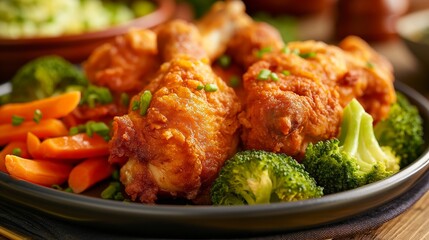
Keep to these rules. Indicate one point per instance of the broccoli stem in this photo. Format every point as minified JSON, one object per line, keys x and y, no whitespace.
{"x":350,"y":127}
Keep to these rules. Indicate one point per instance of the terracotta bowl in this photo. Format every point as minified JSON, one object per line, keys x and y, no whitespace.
{"x":75,"y":48}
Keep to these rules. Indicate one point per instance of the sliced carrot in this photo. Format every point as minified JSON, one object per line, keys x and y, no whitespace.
{"x":9,"y":149}
{"x":42,"y":172}
{"x":43,"y":129}
{"x":52,"y":107}
{"x":89,"y":172}
{"x":74,"y":147}
{"x":33,"y":145}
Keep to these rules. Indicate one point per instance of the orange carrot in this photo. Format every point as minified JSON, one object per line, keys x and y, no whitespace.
{"x":9,"y":149}
{"x":74,"y":147}
{"x":46,"y":128}
{"x":89,"y":172}
{"x":52,"y":107}
{"x":42,"y":172}
{"x":33,"y":145}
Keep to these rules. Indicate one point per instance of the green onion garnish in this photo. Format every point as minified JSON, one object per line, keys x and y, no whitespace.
{"x":286,"y":72}
{"x":17,"y":120}
{"x":264,"y":74}
{"x":286,"y":50}
{"x":145,"y":100}
{"x":91,"y":127}
{"x":136,"y":105}
{"x":224,"y":61}
{"x":73,"y":131}
{"x":274,"y":77}
{"x":262,"y":51}
{"x":308,"y":55}
{"x":210,"y":87}
{"x":234,"y":81}
{"x":37,"y":116}
{"x":17,"y":152}
{"x":369,"y":65}
{"x":94,"y":94}
{"x":200,"y":87}
{"x":111,"y":190}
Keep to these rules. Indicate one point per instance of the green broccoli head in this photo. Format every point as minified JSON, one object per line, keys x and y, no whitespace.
{"x":402,"y":131}
{"x":256,"y":177}
{"x":44,"y":77}
{"x":353,"y":160}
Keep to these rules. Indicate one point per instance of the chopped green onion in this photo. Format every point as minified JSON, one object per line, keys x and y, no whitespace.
{"x":262,"y":51}
{"x":90,"y":128}
{"x":308,"y":55}
{"x":94,"y":94}
{"x":264,"y":74}
{"x":91,"y":99}
{"x":369,"y":65}
{"x":286,"y":50}
{"x":37,"y":116}
{"x":274,"y":77}
{"x":234,"y":81}
{"x":145,"y":100}
{"x":224,"y":61}
{"x":136,"y":105}
{"x":68,"y":190}
{"x":210,"y":87}
{"x":125,"y":99}
{"x":17,"y":120}
{"x":118,"y":196}
{"x":17,"y":152}
{"x":286,"y":72}
{"x":200,"y":87}
{"x":73,"y":131}
{"x":111,"y":190}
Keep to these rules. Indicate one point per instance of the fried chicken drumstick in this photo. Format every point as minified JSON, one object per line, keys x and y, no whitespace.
{"x":190,"y":128}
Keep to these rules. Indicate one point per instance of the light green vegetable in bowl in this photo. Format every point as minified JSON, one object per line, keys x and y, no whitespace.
{"x":48,"y":18}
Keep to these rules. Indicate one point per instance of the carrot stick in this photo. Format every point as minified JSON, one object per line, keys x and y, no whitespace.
{"x":89,"y":172}
{"x":52,"y":107}
{"x":46,"y":128}
{"x":42,"y":172}
{"x":74,"y":147}
{"x":9,"y":149}
{"x":33,"y":145}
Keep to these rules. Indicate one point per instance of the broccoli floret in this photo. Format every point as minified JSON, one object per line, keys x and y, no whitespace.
{"x":256,"y":177}
{"x":352,"y":160}
{"x":44,"y":77}
{"x":402,"y":130}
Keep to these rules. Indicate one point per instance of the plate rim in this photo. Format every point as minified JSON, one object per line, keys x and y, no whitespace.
{"x":184,"y":217}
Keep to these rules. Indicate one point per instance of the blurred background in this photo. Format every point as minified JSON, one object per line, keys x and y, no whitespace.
{"x":73,"y":28}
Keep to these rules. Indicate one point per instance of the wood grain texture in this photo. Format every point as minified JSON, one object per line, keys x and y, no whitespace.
{"x":412,"y":224}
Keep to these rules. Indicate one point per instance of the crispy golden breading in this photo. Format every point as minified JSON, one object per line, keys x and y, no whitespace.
{"x":125,"y":65}
{"x":178,"y":147}
{"x":285,"y":114}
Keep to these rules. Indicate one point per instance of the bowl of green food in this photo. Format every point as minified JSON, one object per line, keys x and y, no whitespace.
{"x":70,"y":28}
{"x":413,"y":29}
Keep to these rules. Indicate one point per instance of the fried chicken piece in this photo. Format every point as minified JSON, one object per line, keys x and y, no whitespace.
{"x":375,"y":71}
{"x":178,"y":146}
{"x":218,"y":26}
{"x":249,"y":43}
{"x":356,"y":70}
{"x":125,"y":65}
{"x":285,"y":114}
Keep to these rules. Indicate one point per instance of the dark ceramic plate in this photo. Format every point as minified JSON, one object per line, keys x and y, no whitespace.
{"x":211,"y":221}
